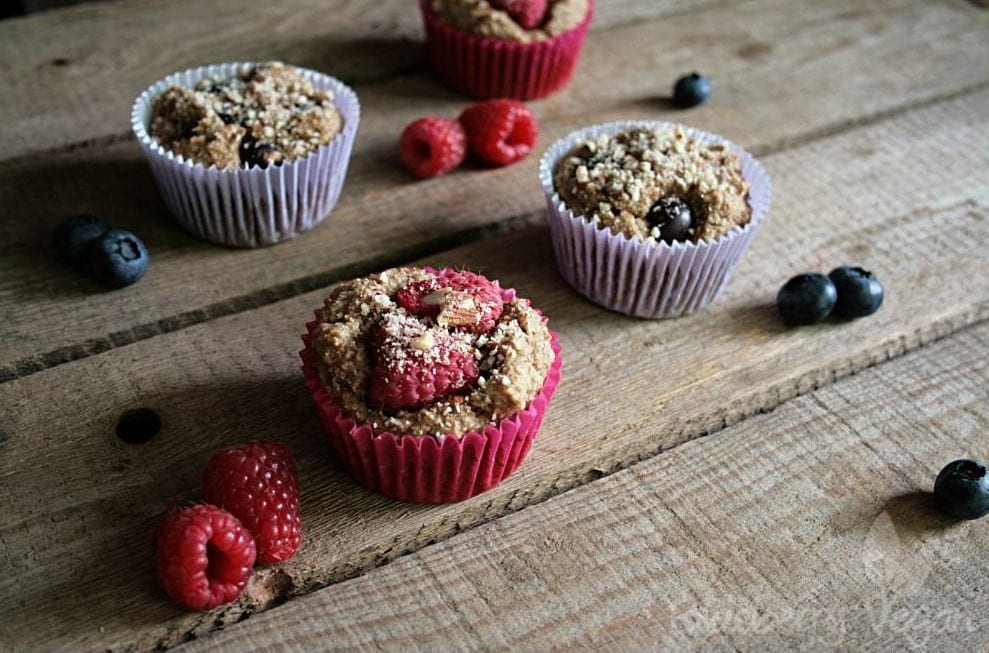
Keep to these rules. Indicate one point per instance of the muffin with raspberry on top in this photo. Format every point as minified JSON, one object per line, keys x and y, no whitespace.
{"x":519,"y":49}
{"x":431,"y":384}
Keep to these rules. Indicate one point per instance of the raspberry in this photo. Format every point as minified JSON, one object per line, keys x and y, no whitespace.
{"x":529,"y":14}
{"x":415,"y":365}
{"x":258,"y":484}
{"x":204,"y":556}
{"x":500,"y":131}
{"x":432,"y":146}
{"x":455,"y":298}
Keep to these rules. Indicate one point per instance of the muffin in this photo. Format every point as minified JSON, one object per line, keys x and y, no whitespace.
{"x":430,"y":384}
{"x":265,"y":115}
{"x":248,"y":154}
{"x":499,"y":49}
{"x":651,"y":219}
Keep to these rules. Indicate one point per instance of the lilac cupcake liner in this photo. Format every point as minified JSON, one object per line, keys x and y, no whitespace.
{"x":252,"y":207}
{"x":644,"y":278}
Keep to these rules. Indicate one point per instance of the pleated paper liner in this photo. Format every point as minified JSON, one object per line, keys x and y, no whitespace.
{"x":421,"y":468}
{"x":640,"y":278}
{"x":483,"y":67}
{"x":249,"y":207}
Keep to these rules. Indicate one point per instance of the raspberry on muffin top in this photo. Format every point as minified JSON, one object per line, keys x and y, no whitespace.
{"x":265,"y":115}
{"x":507,"y":20}
{"x":639,"y":180}
{"x":430,"y":353}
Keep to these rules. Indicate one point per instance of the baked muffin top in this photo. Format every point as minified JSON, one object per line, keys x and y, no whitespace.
{"x":425,"y":352}
{"x":638,"y":180}
{"x":265,"y":115}
{"x":486,"y":18}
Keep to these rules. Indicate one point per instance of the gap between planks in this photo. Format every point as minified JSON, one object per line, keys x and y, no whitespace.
{"x":33,"y":364}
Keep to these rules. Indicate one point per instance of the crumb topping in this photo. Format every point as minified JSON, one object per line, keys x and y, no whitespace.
{"x":263,"y":116}
{"x":513,"y":358}
{"x":428,"y":346}
{"x":479,"y":17}
{"x":617,"y":179}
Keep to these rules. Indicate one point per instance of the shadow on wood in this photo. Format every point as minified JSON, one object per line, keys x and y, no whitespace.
{"x":916,"y":515}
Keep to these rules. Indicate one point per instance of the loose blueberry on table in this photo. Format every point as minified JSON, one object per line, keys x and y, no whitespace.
{"x":118,"y":258}
{"x":859,"y":292}
{"x":691,"y":90}
{"x":73,"y":236}
{"x":806,"y":299}
{"x":962,"y":489}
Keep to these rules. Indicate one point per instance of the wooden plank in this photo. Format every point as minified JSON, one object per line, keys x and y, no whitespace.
{"x":74,"y":549}
{"x":810,"y":528}
{"x":887,"y":58}
{"x":52,"y":61}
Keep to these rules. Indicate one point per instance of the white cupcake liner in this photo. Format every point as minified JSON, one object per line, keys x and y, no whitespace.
{"x":644,"y":278}
{"x":252,"y":207}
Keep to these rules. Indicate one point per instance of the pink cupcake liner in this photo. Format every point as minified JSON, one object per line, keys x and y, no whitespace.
{"x":646,"y":279}
{"x":483,"y":67}
{"x":421,"y":468}
{"x":253,"y":207}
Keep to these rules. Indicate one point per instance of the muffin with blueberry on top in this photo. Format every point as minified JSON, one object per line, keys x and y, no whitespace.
{"x":248,"y":154}
{"x":266,"y":114}
{"x":651,"y":219}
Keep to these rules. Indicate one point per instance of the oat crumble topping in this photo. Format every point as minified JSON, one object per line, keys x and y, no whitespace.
{"x":513,"y":358}
{"x":479,"y":17}
{"x":617,"y":179}
{"x":267,"y":114}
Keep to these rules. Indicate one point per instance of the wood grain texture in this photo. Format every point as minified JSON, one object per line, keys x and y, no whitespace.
{"x":71,"y":75}
{"x":81,"y":505}
{"x":769,"y":66}
{"x":810,"y":528}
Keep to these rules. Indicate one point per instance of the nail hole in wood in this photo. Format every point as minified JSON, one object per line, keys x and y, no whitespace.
{"x":139,"y":425}
{"x":60,"y":61}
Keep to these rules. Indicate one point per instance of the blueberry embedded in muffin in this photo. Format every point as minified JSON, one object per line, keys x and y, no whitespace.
{"x":426,"y":352}
{"x":266,"y":115}
{"x":654,"y":184}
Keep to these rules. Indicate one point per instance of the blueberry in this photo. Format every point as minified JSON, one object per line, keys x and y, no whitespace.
{"x":962,"y":489}
{"x":73,"y":236}
{"x":118,"y":258}
{"x":691,"y":90}
{"x":672,"y":216}
{"x":254,"y":153}
{"x":859,"y":292}
{"x":806,"y":299}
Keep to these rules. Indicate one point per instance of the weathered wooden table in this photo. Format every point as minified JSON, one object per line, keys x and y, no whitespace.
{"x":713,"y":482}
